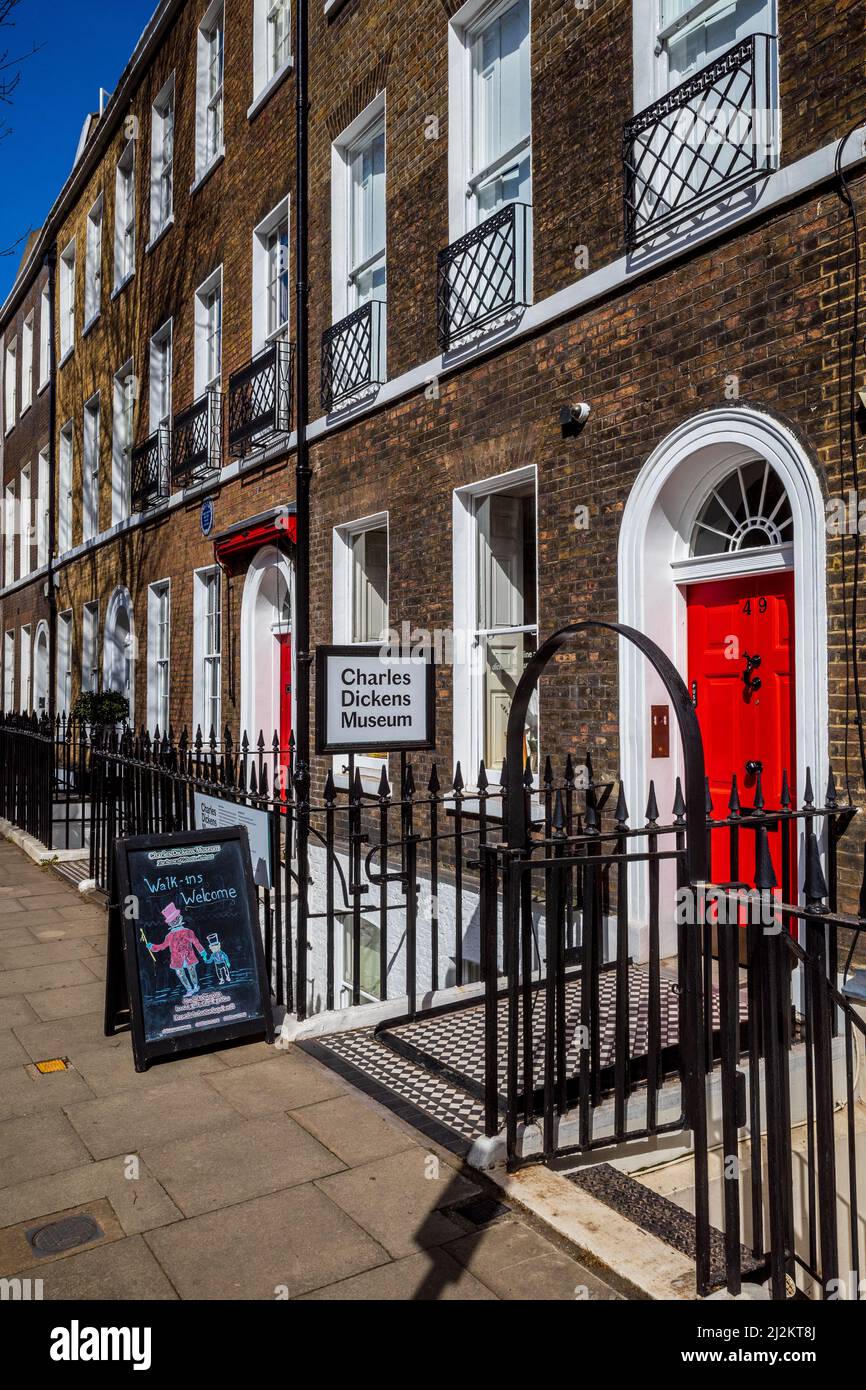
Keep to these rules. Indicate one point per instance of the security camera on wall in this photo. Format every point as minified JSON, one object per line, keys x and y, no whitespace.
{"x":574,"y":417}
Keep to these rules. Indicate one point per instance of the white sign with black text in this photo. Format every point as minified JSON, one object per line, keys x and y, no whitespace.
{"x":369,"y":699}
{"x":212,"y":813}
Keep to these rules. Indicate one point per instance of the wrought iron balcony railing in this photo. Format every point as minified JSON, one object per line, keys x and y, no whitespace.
{"x":196,"y":448}
{"x":151,"y":467}
{"x":260,"y":399}
{"x":484,"y":276}
{"x":711,"y":136}
{"x":353,"y":356}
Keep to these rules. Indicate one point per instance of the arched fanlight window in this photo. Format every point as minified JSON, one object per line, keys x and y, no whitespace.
{"x":749,"y":509}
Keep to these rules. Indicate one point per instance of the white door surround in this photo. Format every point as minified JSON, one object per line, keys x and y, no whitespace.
{"x":119,"y":647}
{"x":654,"y":564}
{"x":268,"y":578}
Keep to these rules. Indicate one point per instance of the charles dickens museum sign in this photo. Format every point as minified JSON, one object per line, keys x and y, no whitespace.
{"x":372,"y":699}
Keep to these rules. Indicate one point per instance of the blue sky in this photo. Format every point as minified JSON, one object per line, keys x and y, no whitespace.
{"x":86,"y":45}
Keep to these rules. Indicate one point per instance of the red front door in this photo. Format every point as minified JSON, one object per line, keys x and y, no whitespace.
{"x":744,"y":723}
{"x":285,"y":642}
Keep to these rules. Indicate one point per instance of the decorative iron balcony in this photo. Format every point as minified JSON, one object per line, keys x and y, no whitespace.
{"x":353,"y":356}
{"x":484,"y":276}
{"x":196,"y":440}
{"x":711,"y":136}
{"x":260,"y":399}
{"x":151,"y":465}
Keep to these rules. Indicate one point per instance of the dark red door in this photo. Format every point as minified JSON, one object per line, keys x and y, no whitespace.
{"x":285,"y":641}
{"x":744,"y":723}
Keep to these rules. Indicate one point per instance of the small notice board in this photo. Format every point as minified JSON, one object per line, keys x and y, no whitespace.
{"x":185,"y":958}
{"x":373,"y":700}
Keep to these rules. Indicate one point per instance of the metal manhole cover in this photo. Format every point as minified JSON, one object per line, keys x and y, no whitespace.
{"x":64,"y":1234}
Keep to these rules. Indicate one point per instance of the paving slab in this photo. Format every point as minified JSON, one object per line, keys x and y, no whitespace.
{"x":60,"y":1037}
{"x":34,"y":979}
{"x":43,"y":952}
{"x":243,"y":1054}
{"x":66,"y":1003}
{"x":517,"y":1262}
{"x":15,"y":1012}
{"x":284,"y":1082}
{"x":127,"y":1121}
{"x":110,"y":1069}
{"x":220,"y":1169}
{"x":356,"y":1130}
{"x":277,"y":1246}
{"x":10,"y":937}
{"x":34,"y":1145}
{"x":24,"y":1090}
{"x":432,"y":1276}
{"x":398,"y":1199}
{"x":125,"y":1269}
{"x":138,"y":1201}
{"x":12,"y":1054}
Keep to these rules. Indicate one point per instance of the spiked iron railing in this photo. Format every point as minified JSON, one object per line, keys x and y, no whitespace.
{"x":711,"y":136}
{"x":484,"y":276}
{"x":151,"y":467}
{"x":260,"y":399}
{"x":196,"y":445}
{"x":353,"y":356}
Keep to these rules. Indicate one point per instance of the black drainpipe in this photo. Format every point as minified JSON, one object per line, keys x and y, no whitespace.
{"x":302,"y":502}
{"x":51,"y":263}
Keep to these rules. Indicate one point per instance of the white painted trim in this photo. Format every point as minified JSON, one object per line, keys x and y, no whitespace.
{"x":656,"y":525}
{"x":152,"y":646}
{"x":341,"y":623}
{"x":341,"y":173}
{"x":120,"y":601}
{"x":259,"y":295}
{"x":268,"y":557}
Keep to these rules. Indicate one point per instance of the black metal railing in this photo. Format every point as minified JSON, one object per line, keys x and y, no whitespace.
{"x":44,"y":782}
{"x":711,"y":136}
{"x":151,"y":469}
{"x":484,"y":276}
{"x":196,"y":440}
{"x":353,"y":356}
{"x":260,"y":399}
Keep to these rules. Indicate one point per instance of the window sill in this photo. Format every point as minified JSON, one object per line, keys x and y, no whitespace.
{"x":91,"y":323}
{"x":270,"y":87}
{"x":66,"y":356}
{"x":43,"y":385}
{"x":333,"y":8}
{"x":206,"y":173}
{"x":8,"y":430}
{"x":158,"y":236}
{"x":118,"y":289}
{"x":24,"y":410}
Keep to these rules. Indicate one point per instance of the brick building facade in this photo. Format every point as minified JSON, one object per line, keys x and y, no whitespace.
{"x":710,"y":337}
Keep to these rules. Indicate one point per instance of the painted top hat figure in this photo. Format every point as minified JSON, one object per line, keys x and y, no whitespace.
{"x":182,"y":944}
{"x":219,"y":958}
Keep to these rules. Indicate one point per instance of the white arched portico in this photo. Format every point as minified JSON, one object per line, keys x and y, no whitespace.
{"x":118,"y":650}
{"x":656,"y":563}
{"x":40,"y":669}
{"x":266,"y":646}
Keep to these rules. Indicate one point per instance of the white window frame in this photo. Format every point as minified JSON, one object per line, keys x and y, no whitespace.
{"x":162,"y":137}
{"x":264,"y":331}
{"x":210,"y":98}
{"x":204,"y":657}
{"x":462,"y":32}
{"x":9,"y":671}
{"x":9,"y":527}
{"x":90,"y":647}
{"x":204,"y":375}
{"x":158,"y":665}
{"x":93,"y":264}
{"x":25,"y":530}
{"x":27,"y":362}
{"x":124,"y":217}
{"x":159,"y":376}
{"x":63,"y":673}
{"x":124,"y":391}
{"x":44,"y":337}
{"x":65,"y":467}
{"x":651,"y":75}
{"x":269,"y":67}
{"x":90,"y":470}
{"x":468,"y":666}
{"x":113,"y":662}
{"x":10,"y":383}
{"x":25,"y":652}
{"x":343,"y":149}
{"x":67,"y":300}
{"x":342,"y":610}
{"x":44,"y":503}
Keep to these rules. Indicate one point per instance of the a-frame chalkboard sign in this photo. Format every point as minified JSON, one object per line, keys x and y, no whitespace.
{"x":186,"y":968}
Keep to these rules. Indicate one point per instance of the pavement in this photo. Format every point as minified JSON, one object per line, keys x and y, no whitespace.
{"x":245,"y":1173}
